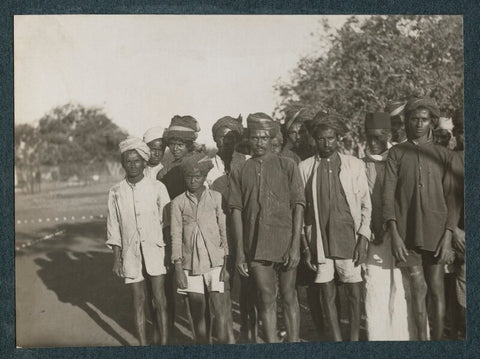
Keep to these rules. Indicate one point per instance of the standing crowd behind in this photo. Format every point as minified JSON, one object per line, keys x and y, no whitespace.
{"x":283,"y":208}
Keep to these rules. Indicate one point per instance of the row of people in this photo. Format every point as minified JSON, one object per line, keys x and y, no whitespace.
{"x":389,"y":221}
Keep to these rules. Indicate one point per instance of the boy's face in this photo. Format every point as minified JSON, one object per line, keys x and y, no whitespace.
{"x":442,"y":137}
{"x":260,"y":142}
{"x":156,"y":151}
{"x":133,"y":163}
{"x":326,"y":142}
{"x":194,"y":180}
{"x":419,"y":123}
{"x":178,"y":148}
{"x":398,"y":128}
{"x":377,"y":140}
{"x":276,"y":145}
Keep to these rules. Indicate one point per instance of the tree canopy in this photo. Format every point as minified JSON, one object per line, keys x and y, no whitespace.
{"x":372,"y":60}
{"x":69,"y":136}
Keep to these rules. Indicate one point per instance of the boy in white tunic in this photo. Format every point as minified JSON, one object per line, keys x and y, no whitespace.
{"x":135,"y":219}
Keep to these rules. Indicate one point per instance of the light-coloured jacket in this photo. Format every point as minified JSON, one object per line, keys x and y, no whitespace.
{"x":353,"y":179}
{"x":136,"y":216}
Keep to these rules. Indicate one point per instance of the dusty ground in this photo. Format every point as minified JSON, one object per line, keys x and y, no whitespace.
{"x":66,"y":294}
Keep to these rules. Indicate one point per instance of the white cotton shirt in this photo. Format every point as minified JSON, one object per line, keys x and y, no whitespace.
{"x":137,"y":214}
{"x":151,"y":172}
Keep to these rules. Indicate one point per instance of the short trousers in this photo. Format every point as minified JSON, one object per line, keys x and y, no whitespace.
{"x":198,"y":283}
{"x":418,"y":257}
{"x":142,"y":269}
{"x":345,"y":268}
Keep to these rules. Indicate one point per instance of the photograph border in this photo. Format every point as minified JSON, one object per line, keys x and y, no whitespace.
{"x":471,"y":15}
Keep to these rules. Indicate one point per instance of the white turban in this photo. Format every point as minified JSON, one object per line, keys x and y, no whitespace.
{"x":445,"y":123}
{"x":135,"y":143}
{"x":153,"y":133}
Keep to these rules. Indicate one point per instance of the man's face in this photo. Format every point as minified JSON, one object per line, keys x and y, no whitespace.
{"x":219,"y":137}
{"x":377,"y":141}
{"x":297,"y":135}
{"x":260,"y":142}
{"x":442,"y":137}
{"x":194,"y":180}
{"x":178,"y":148}
{"x":419,"y":123}
{"x":326,"y":142}
{"x":398,"y":129}
{"x":226,"y":141}
{"x":156,"y":151}
{"x":276,"y":145}
{"x":133,"y":163}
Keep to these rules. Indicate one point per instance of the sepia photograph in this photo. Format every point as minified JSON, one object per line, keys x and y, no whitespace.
{"x":236,"y":179}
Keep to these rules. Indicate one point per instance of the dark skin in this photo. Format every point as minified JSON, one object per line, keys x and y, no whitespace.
{"x":419,"y":125}
{"x":327,"y":143}
{"x":178,"y":148}
{"x":398,"y":129}
{"x":442,"y":137}
{"x":197,"y":301}
{"x":265,"y":276}
{"x":156,"y":151}
{"x":134,"y":165}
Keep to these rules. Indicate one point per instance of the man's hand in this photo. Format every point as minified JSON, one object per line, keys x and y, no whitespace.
{"x":360,"y":252}
{"x":307,"y":259}
{"x":242,"y":266}
{"x":292,"y":258}
{"x":459,"y":241}
{"x":118,"y":268}
{"x":399,"y":250}
{"x":180,"y":276}
{"x":444,"y":249}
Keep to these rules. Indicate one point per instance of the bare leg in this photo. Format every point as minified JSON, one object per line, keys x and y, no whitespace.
{"x":197,"y":306}
{"x":138,"y":292}
{"x":434,"y":275}
{"x":353,"y":293}
{"x":314,"y":307}
{"x":419,"y":293}
{"x":158,"y":289}
{"x":217,"y":301}
{"x":228,"y":313}
{"x":291,"y":308}
{"x":328,"y":292}
{"x":265,"y":278}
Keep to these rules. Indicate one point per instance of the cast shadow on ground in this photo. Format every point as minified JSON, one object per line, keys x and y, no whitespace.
{"x":85,"y":279}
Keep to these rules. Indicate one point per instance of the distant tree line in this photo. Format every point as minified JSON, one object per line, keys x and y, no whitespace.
{"x":70,"y":137}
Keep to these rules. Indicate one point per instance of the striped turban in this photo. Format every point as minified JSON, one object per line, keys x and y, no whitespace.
{"x":183,"y":127}
{"x":234,"y":124}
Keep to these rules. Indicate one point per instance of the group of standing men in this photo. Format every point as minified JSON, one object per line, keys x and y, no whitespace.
{"x":277,"y":198}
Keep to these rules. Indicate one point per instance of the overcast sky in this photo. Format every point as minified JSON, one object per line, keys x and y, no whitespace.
{"x":143,"y":69}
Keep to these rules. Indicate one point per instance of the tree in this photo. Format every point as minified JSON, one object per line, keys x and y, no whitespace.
{"x":73,"y":137}
{"x":377,"y":59}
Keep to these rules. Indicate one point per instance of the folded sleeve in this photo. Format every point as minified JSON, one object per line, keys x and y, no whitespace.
{"x":235,"y":195}
{"x":113,"y":222}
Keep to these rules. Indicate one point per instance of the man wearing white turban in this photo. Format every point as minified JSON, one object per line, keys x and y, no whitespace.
{"x":153,"y":137}
{"x":136,"y":216}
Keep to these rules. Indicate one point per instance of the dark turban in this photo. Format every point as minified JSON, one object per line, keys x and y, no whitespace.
{"x":234,"y":124}
{"x":302,"y":115}
{"x":196,"y":162}
{"x":183,"y":127}
{"x":331,"y":120}
{"x":261,"y":121}
{"x":418,"y":102}
{"x":395,"y":108}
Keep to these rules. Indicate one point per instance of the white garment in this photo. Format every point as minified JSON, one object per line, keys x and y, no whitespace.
{"x":151,"y":172}
{"x":136,"y":216}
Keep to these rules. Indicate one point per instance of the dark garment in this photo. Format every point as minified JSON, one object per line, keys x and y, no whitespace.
{"x":417,"y":194}
{"x":172,"y":177}
{"x":336,"y":222}
{"x":266,"y":190}
{"x":458,"y":175}
{"x":375,"y":176}
{"x":290,"y":154}
{"x":304,"y":152}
